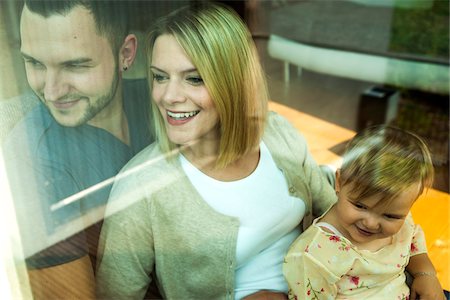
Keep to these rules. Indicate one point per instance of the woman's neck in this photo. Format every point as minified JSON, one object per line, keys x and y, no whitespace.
{"x":202,"y":153}
{"x":204,"y":157}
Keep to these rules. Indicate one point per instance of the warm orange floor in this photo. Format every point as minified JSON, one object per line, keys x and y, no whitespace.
{"x":431,"y":211}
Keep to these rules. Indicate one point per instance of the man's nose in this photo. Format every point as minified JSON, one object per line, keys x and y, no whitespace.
{"x":54,"y":86}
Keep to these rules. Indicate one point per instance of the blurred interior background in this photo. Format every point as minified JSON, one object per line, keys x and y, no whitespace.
{"x":353,"y":63}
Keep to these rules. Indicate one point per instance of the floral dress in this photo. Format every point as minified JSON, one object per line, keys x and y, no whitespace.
{"x":323,"y":265}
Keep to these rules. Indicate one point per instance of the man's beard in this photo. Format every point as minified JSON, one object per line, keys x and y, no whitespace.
{"x":94,"y":107}
{"x":101,"y":103}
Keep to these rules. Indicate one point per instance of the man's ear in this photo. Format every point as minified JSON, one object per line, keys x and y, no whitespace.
{"x":127,"y":52}
{"x":337,"y":185}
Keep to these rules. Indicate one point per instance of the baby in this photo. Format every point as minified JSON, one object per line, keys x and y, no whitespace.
{"x":360,"y":247}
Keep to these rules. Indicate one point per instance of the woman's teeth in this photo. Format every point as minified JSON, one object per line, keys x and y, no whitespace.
{"x":182,"y":115}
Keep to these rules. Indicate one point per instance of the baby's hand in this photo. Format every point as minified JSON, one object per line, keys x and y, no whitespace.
{"x":426,"y":287}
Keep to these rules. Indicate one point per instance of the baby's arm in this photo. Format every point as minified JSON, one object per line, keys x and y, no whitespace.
{"x":425,"y":285}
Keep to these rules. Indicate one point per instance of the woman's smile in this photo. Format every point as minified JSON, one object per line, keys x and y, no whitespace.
{"x":180,"y":118}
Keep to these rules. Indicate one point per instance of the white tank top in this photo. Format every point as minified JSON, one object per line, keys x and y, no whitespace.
{"x":269,"y":221}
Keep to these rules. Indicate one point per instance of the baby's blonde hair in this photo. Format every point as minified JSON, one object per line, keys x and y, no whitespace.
{"x":385,"y":160}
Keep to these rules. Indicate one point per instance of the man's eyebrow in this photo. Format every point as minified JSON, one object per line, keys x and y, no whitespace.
{"x":76,"y":61}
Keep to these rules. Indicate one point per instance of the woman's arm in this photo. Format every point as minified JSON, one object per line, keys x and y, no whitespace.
{"x":266,"y":295}
{"x":125,"y":254}
{"x":322,"y":192}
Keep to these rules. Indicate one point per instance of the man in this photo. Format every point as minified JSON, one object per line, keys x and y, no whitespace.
{"x":88,"y":124}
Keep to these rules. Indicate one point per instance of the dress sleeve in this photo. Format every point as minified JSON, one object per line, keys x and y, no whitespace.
{"x":315,"y":263}
{"x":308,"y":278}
{"x":418,"y":243}
{"x":125,"y":254}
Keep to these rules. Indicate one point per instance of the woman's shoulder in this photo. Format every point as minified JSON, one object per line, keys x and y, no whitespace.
{"x":277,"y":125}
{"x":274,"y":119}
{"x":149,"y":159}
{"x":148,"y":166}
{"x":281,"y":137}
{"x":146,"y":173}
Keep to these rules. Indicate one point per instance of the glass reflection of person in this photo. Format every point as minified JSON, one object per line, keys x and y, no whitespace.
{"x":88,"y":124}
{"x":214,"y":220}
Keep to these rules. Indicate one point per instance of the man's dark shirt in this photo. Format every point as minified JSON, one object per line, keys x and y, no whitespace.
{"x":47,"y":162}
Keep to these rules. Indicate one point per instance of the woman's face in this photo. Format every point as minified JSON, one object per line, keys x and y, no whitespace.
{"x":182,"y":98}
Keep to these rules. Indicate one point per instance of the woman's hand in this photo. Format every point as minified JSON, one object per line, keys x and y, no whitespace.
{"x":266,"y":295}
{"x":426,"y":287}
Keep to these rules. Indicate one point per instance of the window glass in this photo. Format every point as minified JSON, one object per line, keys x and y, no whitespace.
{"x":75,"y":108}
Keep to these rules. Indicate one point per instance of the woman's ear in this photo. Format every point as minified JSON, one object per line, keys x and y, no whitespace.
{"x":127,"y":52}
{"x":337,"y":185}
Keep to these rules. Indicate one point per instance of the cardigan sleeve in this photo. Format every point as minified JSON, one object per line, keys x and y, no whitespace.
{"x":320,"y":192}
{"x":125,"y":255}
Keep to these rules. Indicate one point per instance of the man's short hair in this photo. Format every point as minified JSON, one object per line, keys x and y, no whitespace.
{"x":110,"y":17}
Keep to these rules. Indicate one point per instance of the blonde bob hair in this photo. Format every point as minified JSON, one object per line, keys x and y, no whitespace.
{"x":385,"y":160}
{"x":221,"y":48}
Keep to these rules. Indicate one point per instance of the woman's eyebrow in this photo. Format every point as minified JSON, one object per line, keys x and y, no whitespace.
{"x":182,"y":71}
{"x":27,"y":56}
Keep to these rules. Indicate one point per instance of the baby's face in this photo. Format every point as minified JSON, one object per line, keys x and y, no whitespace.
{"x":365,"y":220}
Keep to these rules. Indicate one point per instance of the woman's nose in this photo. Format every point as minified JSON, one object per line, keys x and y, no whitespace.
{"x":173,"y":92}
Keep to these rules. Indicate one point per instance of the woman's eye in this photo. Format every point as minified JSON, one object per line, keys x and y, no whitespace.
{"x":158,"y":77}
{"x":33,"y":63}
{"x":195,"y":80}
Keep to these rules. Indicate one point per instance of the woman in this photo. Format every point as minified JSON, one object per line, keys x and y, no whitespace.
{"x":214,"y":204}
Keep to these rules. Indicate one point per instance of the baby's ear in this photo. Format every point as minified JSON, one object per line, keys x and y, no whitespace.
{"x":337,"y":185}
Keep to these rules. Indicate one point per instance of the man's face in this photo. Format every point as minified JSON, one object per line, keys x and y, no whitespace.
{"x":69,"y":66}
